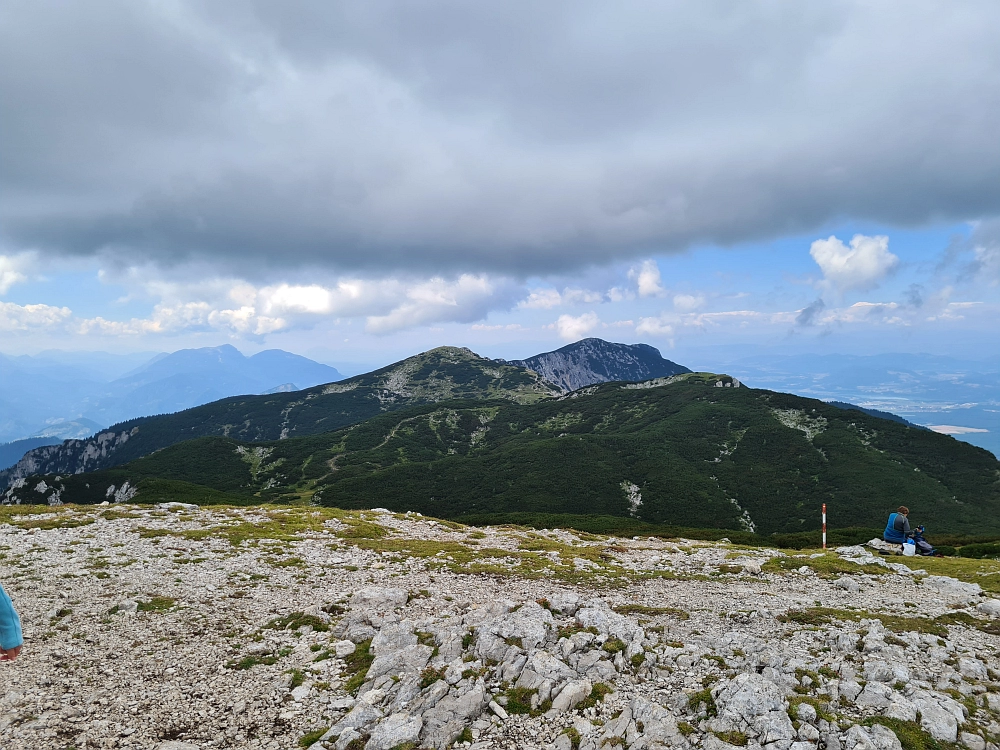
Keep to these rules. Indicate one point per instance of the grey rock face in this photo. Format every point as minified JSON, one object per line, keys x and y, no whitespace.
{"x":593,"y":360}
{"x":395,"y":730}
{"x":952,"y":587}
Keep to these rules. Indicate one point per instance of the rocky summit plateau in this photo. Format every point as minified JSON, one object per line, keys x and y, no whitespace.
{"x":173,"y":627}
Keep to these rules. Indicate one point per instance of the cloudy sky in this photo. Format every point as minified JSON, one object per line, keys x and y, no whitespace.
{"x":360,"y":180}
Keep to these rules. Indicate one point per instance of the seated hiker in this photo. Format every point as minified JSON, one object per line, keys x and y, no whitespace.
{"x":897,"y":530}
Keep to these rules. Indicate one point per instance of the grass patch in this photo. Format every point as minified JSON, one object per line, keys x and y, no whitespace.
{"x":703,"y":696}
{"x":430,"y":675}
{"x":597,"y":694}
{"x":249,"y":662}
{"x":641,"y":609}
{"x":910,"y":734}
{"x":895,"y":623}
{"x":297,"y":620}
{"x":156,"y":604}
{"x":357,"y":666}
{"x":311,"y":738}
{"x":733,"y":738}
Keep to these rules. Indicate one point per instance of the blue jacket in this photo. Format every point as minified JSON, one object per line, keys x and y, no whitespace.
{"x":10,"y":623}
{"x":897,"y":529}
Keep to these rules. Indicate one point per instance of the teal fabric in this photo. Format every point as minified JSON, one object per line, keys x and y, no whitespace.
{"x":10,"y":623}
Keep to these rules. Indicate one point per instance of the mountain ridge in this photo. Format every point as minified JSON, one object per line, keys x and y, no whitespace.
{"x":437,"y":375}
{"x":684,"y":450}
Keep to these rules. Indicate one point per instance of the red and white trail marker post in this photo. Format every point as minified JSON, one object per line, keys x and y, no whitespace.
{"x":824,"y":525}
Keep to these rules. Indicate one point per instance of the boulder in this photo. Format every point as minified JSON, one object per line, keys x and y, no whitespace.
{"x":362,"y":715}
{"x":405,"y":660}
{"x":755,"y":706}
{"x":972,"y":741}
{"x":609,"y":623}
{"x":529,"y":623}
{"x":395,"y":730}
{"x":378,"y":600}
{"x":875,"y":695}
{"x":989,"y":607}
{"x":564,"y":602}
{"x":972,"y":668}
{"x":394,"y":637}
{"x":572,"y":693}
{"x":952,"y":587}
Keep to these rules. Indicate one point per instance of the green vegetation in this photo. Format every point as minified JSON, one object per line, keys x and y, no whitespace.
{"x":156,"y":604}
{"x":640,"y":609}
{"x":357,"y":666}
{"x":695,"y":700}
{"x":686,"y":446}
{"x":430,"y":675}
{"x":733,"y":738}
{"x":894,"y":623}
{"x":311,"y":738}
{"x":911,"y":735}
{"x":597,"y":693}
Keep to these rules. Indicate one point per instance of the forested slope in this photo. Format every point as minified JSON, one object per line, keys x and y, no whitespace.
{"x":679,"y":451}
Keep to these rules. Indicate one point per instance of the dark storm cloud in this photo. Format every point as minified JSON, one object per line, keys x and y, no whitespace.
{"x":808,"y":314}
{"x":515,"y":137}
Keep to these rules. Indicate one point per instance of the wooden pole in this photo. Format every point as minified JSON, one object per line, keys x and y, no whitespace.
{"x":824,"y":525}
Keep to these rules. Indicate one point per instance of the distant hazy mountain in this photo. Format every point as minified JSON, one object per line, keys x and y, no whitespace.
{"x":191,"y":377}
{"x":591,"y":361}
{"x":61,"y":394}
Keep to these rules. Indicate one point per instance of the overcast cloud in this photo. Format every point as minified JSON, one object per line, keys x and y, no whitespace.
{"x":514,"y":139}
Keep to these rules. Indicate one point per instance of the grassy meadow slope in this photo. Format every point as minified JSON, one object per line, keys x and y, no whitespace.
{"x":684,"y":453}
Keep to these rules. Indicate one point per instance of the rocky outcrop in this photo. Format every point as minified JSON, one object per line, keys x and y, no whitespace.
{"x":591,"y":361}
{"x":177,"y":628}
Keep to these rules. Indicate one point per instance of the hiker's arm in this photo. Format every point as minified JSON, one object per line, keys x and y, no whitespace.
{"x":10,"y":628}
{"x":906,"y":528}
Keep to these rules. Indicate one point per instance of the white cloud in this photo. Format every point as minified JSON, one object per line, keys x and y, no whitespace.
{"x":861,"y":266}
{"x":620,"y":294}
{"x":541,"y":299}
{"x":464,"y":300}
{"x":14,"y":269}
{"x":546,"y":299}
{"x":655,"y":326}
{"x":32,"y":317}
{"x":500,"y":327}
{"x":647,"y":279}
{"x":688,"y":302}
{"x":574,"y":328}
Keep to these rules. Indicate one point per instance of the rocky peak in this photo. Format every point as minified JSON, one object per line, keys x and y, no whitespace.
{"x":594,"y":360}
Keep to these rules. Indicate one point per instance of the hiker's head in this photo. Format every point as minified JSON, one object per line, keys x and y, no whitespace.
{"x":903,"y":509}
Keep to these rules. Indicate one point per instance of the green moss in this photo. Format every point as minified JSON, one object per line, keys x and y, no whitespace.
{"x":574,"y":737}
{"x":703,"y":696}
{"x":297,"y":620}
{"x":597,"y":694}
{"x":156,"y":604}
{"x":357,"y":665}
{"x":685,"y":728}
{"x":640,"y":609}
{"x":614,"y":645}
{"x":910,"y":734}
{"x":311,"y":738}
{"x":733,"y":738}
{"x":896,"y":623}
{"x":430,"y":675}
